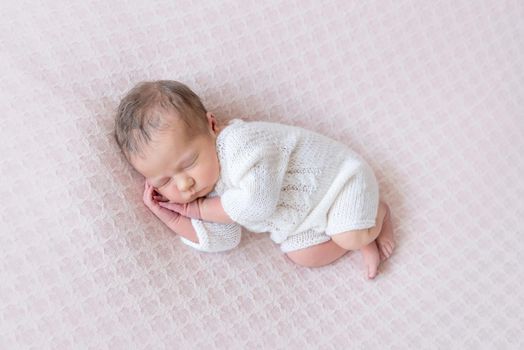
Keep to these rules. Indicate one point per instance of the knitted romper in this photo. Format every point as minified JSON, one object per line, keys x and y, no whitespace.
{"x":298,"y":185}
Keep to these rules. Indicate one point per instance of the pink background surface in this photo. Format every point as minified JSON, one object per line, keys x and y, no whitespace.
{"x":431,"y":93}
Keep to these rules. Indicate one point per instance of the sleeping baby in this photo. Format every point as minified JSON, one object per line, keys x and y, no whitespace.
{"x":315,"y":197}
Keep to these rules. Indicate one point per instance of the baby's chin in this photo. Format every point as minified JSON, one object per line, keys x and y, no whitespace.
{"x":206,"y":191}
{"x":182,"y":200}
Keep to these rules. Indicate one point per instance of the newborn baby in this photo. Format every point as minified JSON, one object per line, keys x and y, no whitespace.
{"x":316,"y":197}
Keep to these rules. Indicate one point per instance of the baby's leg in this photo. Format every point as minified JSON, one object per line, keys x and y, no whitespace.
{"x":371,"y":258}
{"x":354,"y":240}
{"x":365,"y":241}
{"x":385,"y":240}
{"x":317,"y":255}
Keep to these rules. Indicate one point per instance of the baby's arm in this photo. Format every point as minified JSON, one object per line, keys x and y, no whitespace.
{"x":212,"y":210}
{"x":199,"y":234}
{"x":207,"y":209}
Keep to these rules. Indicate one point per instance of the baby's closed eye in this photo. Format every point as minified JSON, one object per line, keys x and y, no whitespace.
{"x":192,"y":163}
{"x":164,"y":183}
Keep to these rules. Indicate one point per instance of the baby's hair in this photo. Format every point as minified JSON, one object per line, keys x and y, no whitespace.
{"x":154,"y":105}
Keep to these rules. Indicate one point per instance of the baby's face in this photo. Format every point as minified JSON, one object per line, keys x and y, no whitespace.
{"x":179,"y":167}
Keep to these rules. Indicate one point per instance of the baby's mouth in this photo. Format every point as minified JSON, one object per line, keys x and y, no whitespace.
{"x":190,"y":197}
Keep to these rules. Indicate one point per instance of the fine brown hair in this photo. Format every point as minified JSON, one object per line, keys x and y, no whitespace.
{"x":152,"y":105}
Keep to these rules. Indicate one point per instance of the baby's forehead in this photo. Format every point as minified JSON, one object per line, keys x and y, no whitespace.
{"x":174,"y":138}
{"x":169,"y":125}
{"x":164,"y":147}
{"x":175,"y":122}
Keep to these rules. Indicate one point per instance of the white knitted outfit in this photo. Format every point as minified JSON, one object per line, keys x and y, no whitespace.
{"x":298,"y":185}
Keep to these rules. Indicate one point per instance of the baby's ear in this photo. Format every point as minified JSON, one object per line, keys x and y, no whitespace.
{"x":211,"y":121}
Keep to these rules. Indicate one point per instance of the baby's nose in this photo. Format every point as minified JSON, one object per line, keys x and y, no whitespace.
{"x":185,"y":184}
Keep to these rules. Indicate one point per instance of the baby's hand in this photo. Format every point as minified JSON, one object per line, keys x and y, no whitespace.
{"x":190,"y":210}
{"x":152,"y":200}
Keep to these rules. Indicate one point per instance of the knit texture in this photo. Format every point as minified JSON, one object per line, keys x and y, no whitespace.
{"x":214,"y":237}
{"x":429,"y":93}
{"x":285,"y":180}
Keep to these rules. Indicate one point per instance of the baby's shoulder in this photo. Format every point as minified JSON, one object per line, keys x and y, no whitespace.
{"x":241,"y":130}
{"x":243,"y":139}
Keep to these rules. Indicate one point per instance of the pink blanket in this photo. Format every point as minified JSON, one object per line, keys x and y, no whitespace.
{"x":430,"y":93}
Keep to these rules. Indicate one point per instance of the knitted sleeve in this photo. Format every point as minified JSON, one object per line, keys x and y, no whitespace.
{"x":257,"y":168}
{"x":214,"y":237}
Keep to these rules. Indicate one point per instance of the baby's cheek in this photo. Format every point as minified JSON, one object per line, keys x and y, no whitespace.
{"x":172,"y":193}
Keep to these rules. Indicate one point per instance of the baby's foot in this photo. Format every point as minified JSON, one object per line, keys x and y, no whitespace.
{"x":385,"y":240}
{"x":371,"y":259}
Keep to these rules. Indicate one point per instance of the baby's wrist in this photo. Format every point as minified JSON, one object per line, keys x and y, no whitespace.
{"x":211,"y":210}
{"x":203,"y":207}
{"x":183,"y":226}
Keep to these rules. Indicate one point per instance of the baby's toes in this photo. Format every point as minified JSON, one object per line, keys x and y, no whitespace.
{"x":372,"y":271}
{"x":381,"y":254}
{"x":391,"y":247}
{"x":381,"y":248}
{"x":385,"y":249}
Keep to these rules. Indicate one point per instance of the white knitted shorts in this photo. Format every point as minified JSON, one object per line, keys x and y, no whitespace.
{"x":355,"y":208}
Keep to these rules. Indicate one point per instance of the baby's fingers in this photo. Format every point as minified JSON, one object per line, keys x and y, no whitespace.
{"x":172,"y":206}
{"x":160,"y":199}
{"x":148,"y":193}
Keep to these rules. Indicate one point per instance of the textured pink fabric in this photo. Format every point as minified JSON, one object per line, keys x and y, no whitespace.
{"x":429,"y":92}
